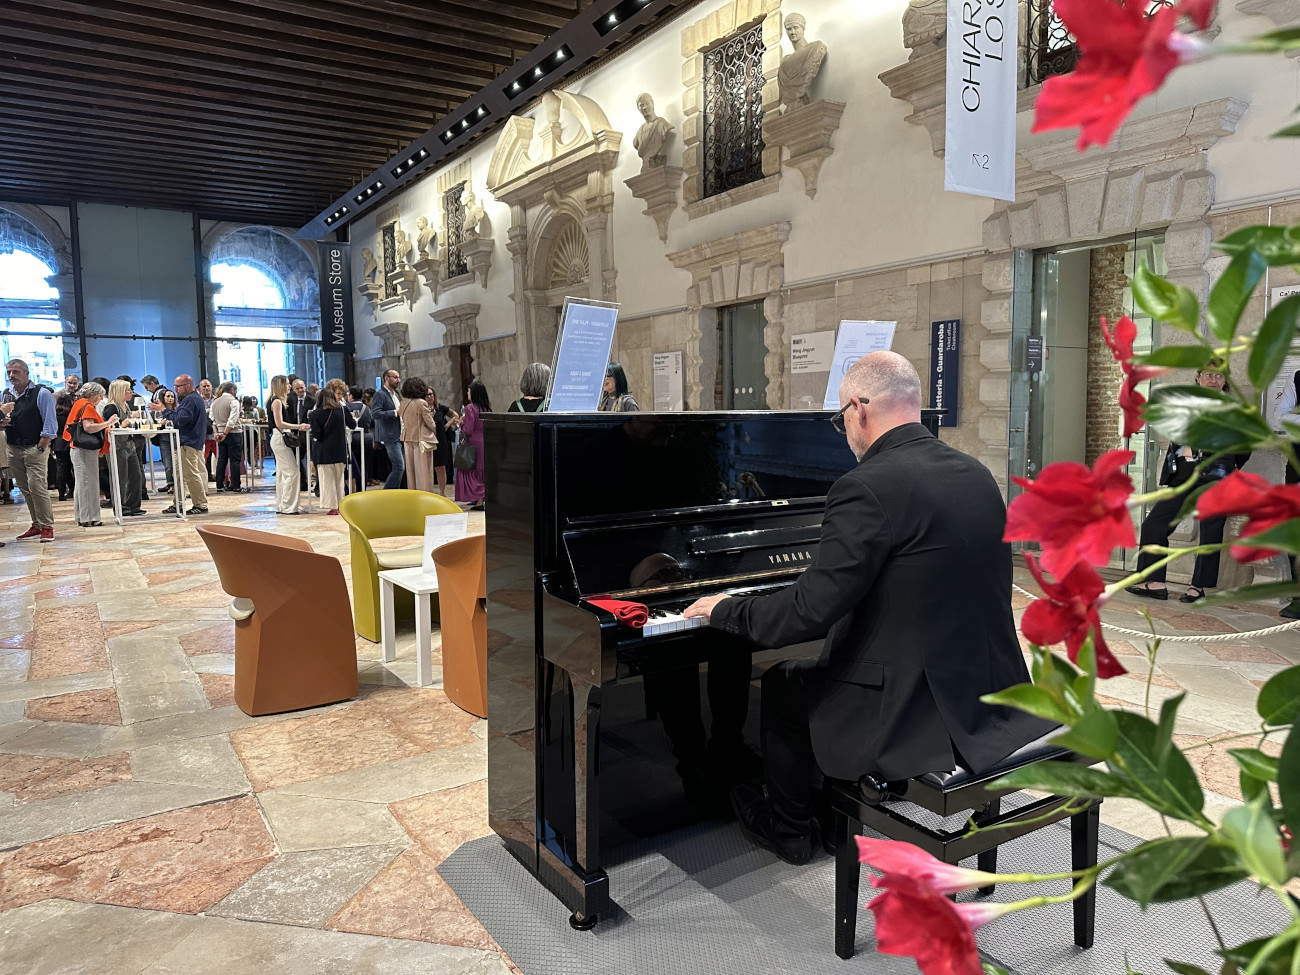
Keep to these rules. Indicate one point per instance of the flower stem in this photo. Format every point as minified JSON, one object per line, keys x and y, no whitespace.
{"x":1263,"y":734}
{"x":1174,"y":553}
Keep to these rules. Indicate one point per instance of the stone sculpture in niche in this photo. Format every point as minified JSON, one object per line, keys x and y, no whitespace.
{"x":425,"y":235}
{"x":369,"y":267}
{"x":401,"y":246}
{"x":651,"y":141}
{"x":800,"y":68}
{"x":474,"y":213}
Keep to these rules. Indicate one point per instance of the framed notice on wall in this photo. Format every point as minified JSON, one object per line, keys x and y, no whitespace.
{"x":669,"y":396}
{"x":945,"y":368}
{"x":581,"y":355}
{"x":852,"y":342}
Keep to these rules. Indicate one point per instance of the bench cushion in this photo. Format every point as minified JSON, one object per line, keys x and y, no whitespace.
{"x":1037,"y":750}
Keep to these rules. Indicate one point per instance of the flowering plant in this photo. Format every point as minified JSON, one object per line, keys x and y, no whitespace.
{"x":1078,"y":516}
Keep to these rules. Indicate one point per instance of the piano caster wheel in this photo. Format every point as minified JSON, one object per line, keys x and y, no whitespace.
{"x":580,"y":922}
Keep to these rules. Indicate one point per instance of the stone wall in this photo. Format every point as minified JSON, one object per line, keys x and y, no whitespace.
{"x":1107,"y":286}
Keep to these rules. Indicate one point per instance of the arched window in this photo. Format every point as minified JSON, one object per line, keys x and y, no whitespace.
{"x":22,"y":276}
{"x":30,"y":326}
{"x":246,"y":286}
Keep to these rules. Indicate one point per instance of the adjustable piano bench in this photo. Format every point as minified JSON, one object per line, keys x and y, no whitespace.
{"x":855,"y":804}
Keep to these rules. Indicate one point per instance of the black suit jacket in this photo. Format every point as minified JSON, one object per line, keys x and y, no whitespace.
{"x":911,"y":589}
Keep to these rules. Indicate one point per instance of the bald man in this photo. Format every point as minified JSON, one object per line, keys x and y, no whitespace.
{"x":191,"y":419}
{"x":911,"y":590}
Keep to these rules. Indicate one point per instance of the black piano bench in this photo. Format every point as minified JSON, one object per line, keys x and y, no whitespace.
{"x":870,"y":803}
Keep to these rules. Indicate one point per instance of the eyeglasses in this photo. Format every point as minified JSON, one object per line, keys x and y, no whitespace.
{"x":837,"y":421}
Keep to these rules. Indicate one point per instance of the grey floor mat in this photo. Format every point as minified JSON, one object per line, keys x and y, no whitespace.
{"x":704,"y":900}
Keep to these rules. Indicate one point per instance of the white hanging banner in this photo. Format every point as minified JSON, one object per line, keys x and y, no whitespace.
{"x":979,"y":155}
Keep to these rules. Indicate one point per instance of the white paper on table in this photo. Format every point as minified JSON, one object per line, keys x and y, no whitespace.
{"x":439,"y":530}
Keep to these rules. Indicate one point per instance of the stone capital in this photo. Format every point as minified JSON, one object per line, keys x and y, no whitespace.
{"x":657,"y":189}
{"x":806,"y":134}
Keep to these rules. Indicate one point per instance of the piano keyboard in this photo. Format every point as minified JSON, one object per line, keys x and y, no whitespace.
{"x":669,"y":618}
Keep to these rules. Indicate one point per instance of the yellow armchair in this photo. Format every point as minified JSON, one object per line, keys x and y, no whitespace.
{"x":384,"y":514}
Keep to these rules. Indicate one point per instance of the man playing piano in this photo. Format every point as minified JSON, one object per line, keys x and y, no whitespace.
{"x":911,"y":589}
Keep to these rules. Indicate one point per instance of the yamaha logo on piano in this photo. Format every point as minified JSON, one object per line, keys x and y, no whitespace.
{"x":790,"y":557}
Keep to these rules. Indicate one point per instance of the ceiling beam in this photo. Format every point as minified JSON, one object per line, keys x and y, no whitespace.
{"x":62,"y":195}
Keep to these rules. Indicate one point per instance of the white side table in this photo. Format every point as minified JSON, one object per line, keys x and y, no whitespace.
{"x":422,"y":585}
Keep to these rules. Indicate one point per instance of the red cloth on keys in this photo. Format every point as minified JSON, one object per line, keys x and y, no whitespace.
{"x":629,"y":614}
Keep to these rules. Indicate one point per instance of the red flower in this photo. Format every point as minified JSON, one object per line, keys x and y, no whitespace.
{"x":915,"y":920}
{"x":896,"y":858}
{"x":1121,"y":348}
{"x":1068,"y":613}
{"x":1265,"y":504}
{"x":1077,"y":515}
{"x":1124,"y":56}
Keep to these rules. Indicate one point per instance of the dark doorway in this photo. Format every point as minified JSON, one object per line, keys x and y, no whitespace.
{"x":742,"y":382}
{"x":462,"y":372}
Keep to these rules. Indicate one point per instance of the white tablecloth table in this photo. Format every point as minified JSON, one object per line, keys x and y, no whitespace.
{"x":115,"y":472}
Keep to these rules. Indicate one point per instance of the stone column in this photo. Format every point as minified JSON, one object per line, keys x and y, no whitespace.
{"x":1107,"y":285}
{"x":995,"y":352}
{"x":517,"y":244}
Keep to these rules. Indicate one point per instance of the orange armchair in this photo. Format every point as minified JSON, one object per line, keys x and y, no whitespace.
{"x":462,"y":590}
{"x":293,"y":630}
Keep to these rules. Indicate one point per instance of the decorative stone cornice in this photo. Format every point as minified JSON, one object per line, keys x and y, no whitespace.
{"x":806,"y":133}
{"x":919,"y":81}
{"x":657,"y":189}
{"x":394,"y":335}
{"x":461,"y":322}
{"x":478,"y":252}
{"x":743,"y":266}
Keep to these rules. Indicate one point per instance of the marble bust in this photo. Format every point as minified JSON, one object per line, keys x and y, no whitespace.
{"x":369,"y":266}
{"x":425,"y":235}
{"x":800,"y":68}
{"x":651,"y":142}
{"x":401,"y":246}
{"x":474,"y":213}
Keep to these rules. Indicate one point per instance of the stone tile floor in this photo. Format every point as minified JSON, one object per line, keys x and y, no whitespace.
{"x":147,"y":825}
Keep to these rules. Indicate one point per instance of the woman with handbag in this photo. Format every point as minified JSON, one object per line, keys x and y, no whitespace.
{"x":286,"y":438}
{"x":419,"y":434}
{"x":87,"y":440}
{"x":1180,"y":464}
{"x":468,"y":459}
{"x":442,"y":414}
{"x":331,"y":428}
{"x":129,"y":471}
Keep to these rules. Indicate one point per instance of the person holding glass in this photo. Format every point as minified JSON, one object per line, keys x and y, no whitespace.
{"x":130,"y":475}
{"x":85,"y":461}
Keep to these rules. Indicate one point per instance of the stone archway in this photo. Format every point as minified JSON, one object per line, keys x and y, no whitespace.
{"x":63,"y":279}
{"x":559,"y":267}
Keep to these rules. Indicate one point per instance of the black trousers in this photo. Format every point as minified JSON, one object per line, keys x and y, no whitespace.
{"x":1155,"y":531}
{"x":790,"y":689}
{"x":64,"y":479}
{"x":674,"y":696}
{"x":230,"y":457}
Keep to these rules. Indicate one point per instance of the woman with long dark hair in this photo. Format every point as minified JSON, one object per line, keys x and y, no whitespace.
{"x":614,"y":397}
{"x":469,"y":483}
{"x":331,"y":426}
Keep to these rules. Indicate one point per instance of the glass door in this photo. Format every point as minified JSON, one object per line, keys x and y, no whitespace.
{"x":744,"y":381}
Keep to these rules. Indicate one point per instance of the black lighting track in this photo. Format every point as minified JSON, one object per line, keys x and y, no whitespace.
{"x":602,"y":26}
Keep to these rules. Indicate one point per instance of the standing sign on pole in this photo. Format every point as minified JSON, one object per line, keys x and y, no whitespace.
{"x":979,"y":153}
{"x":669,"y":396}
{"x":581,"y":355}
{"x":945,"y":369}
{"x":855,"y":339}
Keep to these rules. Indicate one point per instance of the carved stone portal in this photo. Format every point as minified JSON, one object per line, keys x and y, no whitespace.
{"x":806,"y":134}
{"x":657,"y":189}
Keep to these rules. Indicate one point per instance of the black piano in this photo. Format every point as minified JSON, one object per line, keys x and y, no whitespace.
{"x":653,"y":508}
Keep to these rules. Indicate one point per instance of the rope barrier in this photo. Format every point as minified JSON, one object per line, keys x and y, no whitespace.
{"x":1190,"y":638}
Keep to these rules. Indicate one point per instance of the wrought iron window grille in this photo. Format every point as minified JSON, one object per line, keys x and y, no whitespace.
{"x":733,"y":112}
{"x":1049,"y":48}
{"x":455,"y":211}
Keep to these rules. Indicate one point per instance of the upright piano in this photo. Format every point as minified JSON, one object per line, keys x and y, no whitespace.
{"x":654,"y":508}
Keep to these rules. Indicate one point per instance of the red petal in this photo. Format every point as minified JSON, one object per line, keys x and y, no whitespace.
{"x":1047,"y":623}
{"x":1238,"y":493}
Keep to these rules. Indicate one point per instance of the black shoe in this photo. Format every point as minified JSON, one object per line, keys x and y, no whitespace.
{"x":106,"y":504}
{"x":134,"y":514}
{"x":169,"y":510}
{"x":754,"y":813}
{"x":1187,"y":597}
{"x":166,"y":489}
{"x":1291,"y":610}
{"x":1146,"y":593}
{"x":196,"y":510}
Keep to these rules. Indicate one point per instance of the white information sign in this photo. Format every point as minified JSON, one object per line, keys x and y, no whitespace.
{"x":669,"y":395}
{"x":581,"y":355}
{"x":439,"y":530}
{"x":853,"y":341}
{"x":980,"y":125}
{"x":812,"y":351}
{"x":1281,"y":392}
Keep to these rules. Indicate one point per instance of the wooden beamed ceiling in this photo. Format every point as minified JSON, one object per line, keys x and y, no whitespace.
{"x":259,"y":110}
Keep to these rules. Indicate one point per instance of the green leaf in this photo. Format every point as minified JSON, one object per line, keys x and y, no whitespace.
{"x":1274,"y":244}
{"x":1068,"y":779}
{"x":1030,"y":698}
{"x":1176,"y":357}
{"x":992,"y":969}
{"x":1232,"y":291}
{"x":1173,"y":869}
{"x":1264,"y":590}
{"x":1165,"y":301}
{"x":1252,"y":833}
{"x":1272,"y":341}
{"x":1288,"y":779}
{"x":1093,"y":734}
{"x":1204,"y":419}
{"x":1255,"y":763}
{"x":1284,"y":537}
{"x":1279,"y":963}
{"x":1170,"y":785}
{"x":1251,"y":786}
{"x":1279,"y":698}
{"x":1165,"y":728}
{"x":1285,"y":38}
{"x":1182,"y":968}
{"x":1287,"y":132}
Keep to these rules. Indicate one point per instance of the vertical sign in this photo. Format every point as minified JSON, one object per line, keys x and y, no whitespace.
{"x":979,"y":155}
{"x":581,"y":355}
{"x":669,"y":396}
{"x":336,"y":297}
{"x":854,"y":340}
{"x":945,"y":368}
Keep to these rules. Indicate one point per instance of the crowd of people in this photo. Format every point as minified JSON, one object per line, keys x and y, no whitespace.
{"x":62,"y":438}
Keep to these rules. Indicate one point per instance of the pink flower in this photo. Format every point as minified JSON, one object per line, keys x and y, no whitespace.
{"x":904,"y":859}
{"x":1077,"y":515}
{"x":916,"y":920}
{"x":1265,"y":505}
{"x":1068,"y":613}
{"x":1121,"y":349}
{"x":1124,"y":55}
